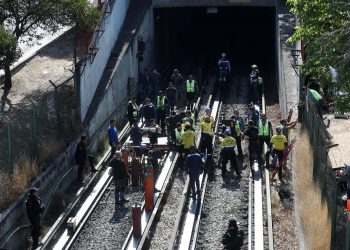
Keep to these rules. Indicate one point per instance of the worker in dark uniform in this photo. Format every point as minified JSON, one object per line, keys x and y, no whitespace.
{"x":154,"y":79}
{"x":154,"y":134}
{"x":224,"y":68}
{"x":237,"y":134}
{"x":133,"y":111}
{"x":153,"y":157}
{"x":120,"y":177}
{"x":81,"y":158}
{"x":178,"y":80}
{"x":253,"y":147}
{"x":194,"y":166}
{"x":265,"y":132}
{"x":161,"y":104}
{"x":148,"y":112}
{"x":240,"y":119}
{"x":191,"y":89}
{"x":112,"y":138}
{"x":253,"y":114}
{"x":171,"y":94}
{"x":189,"y":117}
{"x":206,"y":143}
{"x":254,"y":84}
{"x":228,"y":153}
{"x":136,"y":134}
{"x":232,"y":239}
{"x":34,"y":211}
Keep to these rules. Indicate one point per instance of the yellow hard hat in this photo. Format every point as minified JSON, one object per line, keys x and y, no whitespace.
{"x":187,"y":124}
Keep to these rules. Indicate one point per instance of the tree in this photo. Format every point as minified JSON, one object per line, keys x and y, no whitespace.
{"x":31,"y":18}
{"x":325,"y":30}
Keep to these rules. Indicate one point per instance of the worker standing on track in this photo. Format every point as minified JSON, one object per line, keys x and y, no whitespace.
{"x":34,"y":211}
{"x":279,"y":142}
{"x":191,"y":89}
{"x":154,"y":79}
{"x":206,"y":143}
{"x":113,"y":138}
{"x":176,"y":137}
{"x":224,"y":68}
{"x":178,"y":81}
{"x":254,"y":84}
{"x":253,"y":147}
{"x":240,"y":119}
{"x":194,"y":166}
{"x":253,"y":114}
{"x":153,"y":136}
{"x":189,"y":117}
{"x":120,"y":177}
{"x":228,"y":153}
{"x":148,"y":112}
{"x":208,"y":113}
{"x":237,"y":134}
{"x":82,"y":158}
{"x":188,"y":138}
{"x":232,"y":239}
{"x":133,"y":111}
{"x":265,"y":132}
{"x":171,"y":94}
{"x":161,"y":103}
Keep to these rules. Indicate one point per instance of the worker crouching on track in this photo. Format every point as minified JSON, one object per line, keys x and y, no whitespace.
{"x":279,"y":141}
{"x":194,"y":166}
{"x":228,"y":153}
{"x":188,"y":138}
{"x":232,"y":239}
{"x":120,"y":177}
{"x":237,"y":134}
{"x":206,"y":143}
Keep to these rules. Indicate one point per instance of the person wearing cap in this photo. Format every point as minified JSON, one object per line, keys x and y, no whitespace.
{"x":176,"y":137}
{"x":133,"y":111}
{"x":233,"y":238}
{"x":191,"y":89}
{"x":279,"y":142}
{"x":120,"y":177}
{"x":254,"y":82}
{"x":112,"y":138}
{"x":34,"y":209}
{"x":81,"y":158}
{"x":224,"y":68}
{"x":206,"y":142}
{"x":236,"y":133}
{"x":189,"y":117}
{"x":253,"y":147}
{"x":207,"y":113}
{"x":194,"y":166}
{"x":228,"y":153}
{"x":265,"y":132}
{"x":178,"y":81}
{"x":172,"y":95}
{"x":188,"y":138}
{"x":148,"y":112}
{"x":161,"y":104}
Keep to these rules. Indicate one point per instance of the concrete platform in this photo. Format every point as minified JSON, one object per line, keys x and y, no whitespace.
{"x":340,"y":131}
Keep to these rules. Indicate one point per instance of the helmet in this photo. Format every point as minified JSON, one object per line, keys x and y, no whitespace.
{"x":187,"y":124}
{"x":223,"y":54}
{"x":178,"y":124}
{"x":254,"y":66}
{"x":227,"y":132}
{"x":33,"y":190}
{"x":207,"y":109}
{"x":278,"y":129}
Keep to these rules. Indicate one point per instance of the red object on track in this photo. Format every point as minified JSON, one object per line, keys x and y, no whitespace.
{"x":136,"y":220}
{"x":149,"y":187}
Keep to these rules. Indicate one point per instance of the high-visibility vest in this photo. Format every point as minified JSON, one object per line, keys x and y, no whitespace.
{"x":237,"y":129}
{"x":206,"y":127}
{"x":228,"y":143}
{"x":160,"y":102}
{"x":178,"y":136}
{"x":135,"y":108}
{"x":188,"y":138}
{"x":315,"y":94}
{"x":264,"y":129}
{"x":190,"y":86}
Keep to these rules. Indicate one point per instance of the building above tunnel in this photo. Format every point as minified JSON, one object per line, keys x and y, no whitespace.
{"x":212,"y":3}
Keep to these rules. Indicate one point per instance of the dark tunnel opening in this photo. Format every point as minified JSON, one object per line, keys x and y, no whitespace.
{"x":245,"y":34}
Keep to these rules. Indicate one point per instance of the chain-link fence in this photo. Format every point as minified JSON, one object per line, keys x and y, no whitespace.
{"x":323,"y":174}
{"x":40,"y":128}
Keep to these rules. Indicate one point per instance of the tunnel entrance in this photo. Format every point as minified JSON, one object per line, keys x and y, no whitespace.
{"x":246,"y":34}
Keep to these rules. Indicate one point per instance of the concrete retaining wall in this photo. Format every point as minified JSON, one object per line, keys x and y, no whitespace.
{"x":16,"y":215}
{"x":93,"y":70}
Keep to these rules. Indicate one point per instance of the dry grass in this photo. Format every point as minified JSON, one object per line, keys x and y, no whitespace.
{"x":316,"y":225}
{"x":49,"y":149}
{"x":11,"y":188}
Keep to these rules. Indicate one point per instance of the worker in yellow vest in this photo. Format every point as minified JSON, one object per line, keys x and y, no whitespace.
{"x":161,"y":105}
{"x":176,"y":137}
{"x":207,"y":113}
{"x":265,"y":132}
{"x":188,"y":138}
{"x":237,"y":133}
{"x":228,"y":153}
{"x":279,"y":141}
{"x":133,"y":111}
{"x":206,"y":143}
{"x":191,"y":89}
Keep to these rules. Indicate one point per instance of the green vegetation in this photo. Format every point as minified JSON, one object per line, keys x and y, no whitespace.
{"x":325,"y":30}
